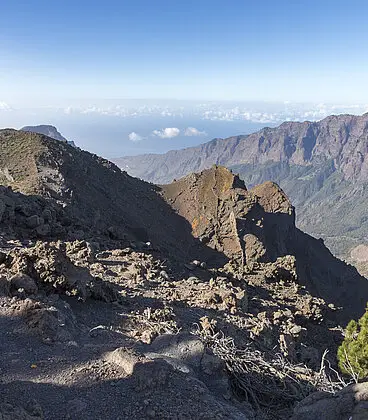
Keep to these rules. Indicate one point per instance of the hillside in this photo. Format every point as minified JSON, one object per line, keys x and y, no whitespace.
{"x":199,"y":290}
{"x":322,"y":166}
{"x":83,"y":196}
{"x":88,"y":195}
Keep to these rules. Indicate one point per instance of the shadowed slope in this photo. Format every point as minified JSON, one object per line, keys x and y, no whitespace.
{"x":95,"y":196}
{"x":259,"y":226}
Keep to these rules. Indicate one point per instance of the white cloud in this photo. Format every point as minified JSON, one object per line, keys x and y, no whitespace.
{"x":4,"y":106}
{"x":167,"y":133}
{"x":68,"y":110}
{"x":192,"y":131}
{"x":135,"y":137}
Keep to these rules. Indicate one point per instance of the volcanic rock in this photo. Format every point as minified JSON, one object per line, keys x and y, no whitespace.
{"x":350,"y":403}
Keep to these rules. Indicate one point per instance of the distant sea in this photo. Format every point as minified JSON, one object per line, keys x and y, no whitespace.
{"x":108,"y":135}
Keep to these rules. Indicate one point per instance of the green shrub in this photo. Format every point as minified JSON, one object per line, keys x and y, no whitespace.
{"x":353,"y":352}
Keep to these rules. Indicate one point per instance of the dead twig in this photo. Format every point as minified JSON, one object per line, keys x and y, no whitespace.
{"x":270,"y":382}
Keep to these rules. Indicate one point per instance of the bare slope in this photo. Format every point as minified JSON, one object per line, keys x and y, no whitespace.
{"x":93,"y":197}
{"x":209,"y":216}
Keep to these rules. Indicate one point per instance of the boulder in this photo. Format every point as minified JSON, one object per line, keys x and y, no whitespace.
{"x":126,"y":359}
{"x":185,"y":347}
{"x":34,"y":221}
{"x":151,"y":375}
{"x":349,"y":403}
{"x":25,"y":282}
{"x":51,"y":323}
{"x":146,"y":373}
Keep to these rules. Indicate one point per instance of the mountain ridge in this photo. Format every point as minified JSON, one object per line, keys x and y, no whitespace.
{"x":293,"y":144}
{"x":322,"y":166}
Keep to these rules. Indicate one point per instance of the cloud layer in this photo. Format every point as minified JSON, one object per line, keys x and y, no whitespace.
{"x":4,"y":106}
{"x":216,"y":111}
{"x":168,"y":133}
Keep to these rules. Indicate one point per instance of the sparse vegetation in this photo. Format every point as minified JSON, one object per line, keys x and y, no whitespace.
{"x":353,"y":352}
{"x":19,"y":153}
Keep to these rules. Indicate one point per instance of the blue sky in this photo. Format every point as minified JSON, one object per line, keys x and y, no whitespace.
{"x":52,"y":52}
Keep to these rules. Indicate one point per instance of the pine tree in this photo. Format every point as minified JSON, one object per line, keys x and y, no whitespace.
{"x":353,"y":352}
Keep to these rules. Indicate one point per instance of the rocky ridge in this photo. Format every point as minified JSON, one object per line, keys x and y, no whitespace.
{"x":258,"y":226}
{"x":340,"y":138}
{"x":200,"y":290}
{"x":321,"y":165}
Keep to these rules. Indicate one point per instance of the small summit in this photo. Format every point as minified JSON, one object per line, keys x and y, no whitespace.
{"x":272,"y":198}
{"x":49,"y":131}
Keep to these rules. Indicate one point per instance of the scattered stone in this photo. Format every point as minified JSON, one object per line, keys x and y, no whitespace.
{"x":25,"y":282}
{"x":295,"y":330}
{"x":250,"y":237}
{"x":164,"y":275}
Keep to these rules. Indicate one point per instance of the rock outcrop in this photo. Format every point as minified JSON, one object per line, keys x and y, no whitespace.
{"x":248,"y":226}
{"x":322,"y":166}
{"x":258,"y":226}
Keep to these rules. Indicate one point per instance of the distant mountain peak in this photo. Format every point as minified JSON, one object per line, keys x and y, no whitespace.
{"x":49,"y":131}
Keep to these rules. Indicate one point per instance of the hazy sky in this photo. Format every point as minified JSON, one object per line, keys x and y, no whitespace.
{"x":52,"y":52}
